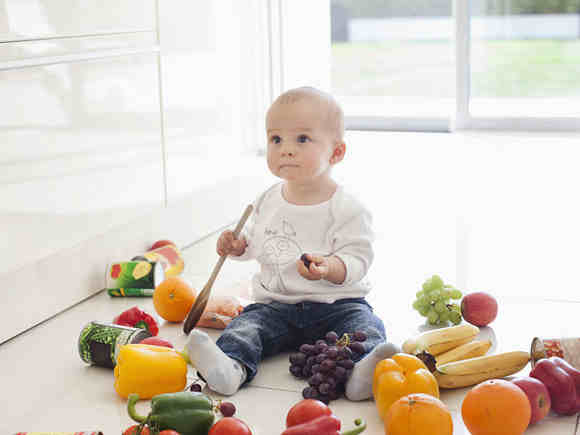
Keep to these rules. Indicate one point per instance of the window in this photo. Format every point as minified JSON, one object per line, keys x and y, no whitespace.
{"x":393,"y":63}
{"x":525,"y":63}
{"x":440,"y":65}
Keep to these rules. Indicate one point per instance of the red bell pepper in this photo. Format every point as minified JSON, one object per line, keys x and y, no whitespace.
{"x":563,"y":383}
{"x":137,"y":318}
{"x":324,"y":425}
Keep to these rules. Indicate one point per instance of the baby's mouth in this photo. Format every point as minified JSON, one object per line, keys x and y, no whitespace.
{"x":288,"y":165}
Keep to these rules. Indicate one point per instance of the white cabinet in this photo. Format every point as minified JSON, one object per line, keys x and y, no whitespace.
{"x":120,"y":123}
{"x":40,"y":19}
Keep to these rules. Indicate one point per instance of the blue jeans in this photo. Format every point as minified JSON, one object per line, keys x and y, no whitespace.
{"x":263,"y":330}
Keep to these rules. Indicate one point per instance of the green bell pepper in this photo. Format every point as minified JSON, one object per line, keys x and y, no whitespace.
{"x":189,"y":413}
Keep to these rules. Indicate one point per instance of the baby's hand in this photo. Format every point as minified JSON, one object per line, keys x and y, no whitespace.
{"x":228,"y":245}
{"x":316,"y":270}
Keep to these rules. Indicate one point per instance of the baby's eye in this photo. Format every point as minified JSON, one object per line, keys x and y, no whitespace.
{"x":303,"y":138}
{"x":275,"y":139}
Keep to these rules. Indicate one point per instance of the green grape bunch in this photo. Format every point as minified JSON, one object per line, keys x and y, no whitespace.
{"x":433,"y":302}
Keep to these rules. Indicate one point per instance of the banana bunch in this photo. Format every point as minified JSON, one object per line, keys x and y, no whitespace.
{"x":460,"y":360}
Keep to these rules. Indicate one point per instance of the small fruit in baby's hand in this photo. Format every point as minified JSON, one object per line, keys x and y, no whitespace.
{"x":305,"y":260}
{"x":479,"y":308}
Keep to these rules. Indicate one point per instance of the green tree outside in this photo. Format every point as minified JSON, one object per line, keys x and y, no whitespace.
{"x":422,"y":8}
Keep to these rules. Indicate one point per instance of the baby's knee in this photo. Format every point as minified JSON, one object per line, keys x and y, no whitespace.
{"x":243,"y":331}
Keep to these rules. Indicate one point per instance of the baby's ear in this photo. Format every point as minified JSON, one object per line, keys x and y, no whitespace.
{"x":338,"y":152}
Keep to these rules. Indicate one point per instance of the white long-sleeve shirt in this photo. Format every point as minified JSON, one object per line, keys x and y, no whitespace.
{"x":279,"y":232}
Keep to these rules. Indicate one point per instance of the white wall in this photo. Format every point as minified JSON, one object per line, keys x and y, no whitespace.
{"x":120,"y":123}
{"x":304,"y":49}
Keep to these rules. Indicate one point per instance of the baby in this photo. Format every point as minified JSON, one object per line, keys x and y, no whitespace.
{"x":307,"y":213}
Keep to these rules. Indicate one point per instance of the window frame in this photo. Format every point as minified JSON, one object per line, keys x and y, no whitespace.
{"x":463,"y":119}
{"x":280,"y":36}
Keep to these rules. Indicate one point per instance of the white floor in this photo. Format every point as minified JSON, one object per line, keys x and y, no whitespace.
{"x":46,"y":386}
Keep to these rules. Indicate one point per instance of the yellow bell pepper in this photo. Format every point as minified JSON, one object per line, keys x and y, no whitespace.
{"x":398,"y":376}
{"x":149,"y":370}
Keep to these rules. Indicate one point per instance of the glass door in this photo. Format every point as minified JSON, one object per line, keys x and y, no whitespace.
{"x":524,"y":64}
{"x":435,"y":65}
{"x":392,"y":63}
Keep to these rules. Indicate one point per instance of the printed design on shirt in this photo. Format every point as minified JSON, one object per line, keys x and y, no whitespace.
{"x":279,"y":249}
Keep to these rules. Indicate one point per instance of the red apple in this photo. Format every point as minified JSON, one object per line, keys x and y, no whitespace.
{"x":156,"y":341}
{"x":479,"y":308}
{"x":538,"y":396}
{"x":160,"y":243}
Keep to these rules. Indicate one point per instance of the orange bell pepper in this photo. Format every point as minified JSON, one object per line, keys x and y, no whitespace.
{"x":398,"y":376}
{"x":149,"y":370}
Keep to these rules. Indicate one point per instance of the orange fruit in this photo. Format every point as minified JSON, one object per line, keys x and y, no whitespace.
{"x":496,"y":407}
{"x":173,"y":299}
{"x":418,"y":414}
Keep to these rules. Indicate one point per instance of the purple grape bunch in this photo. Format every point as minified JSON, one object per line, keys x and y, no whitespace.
{"x":327,"y":364}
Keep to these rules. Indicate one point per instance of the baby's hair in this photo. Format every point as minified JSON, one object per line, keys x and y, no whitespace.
{"x":335,"y":114}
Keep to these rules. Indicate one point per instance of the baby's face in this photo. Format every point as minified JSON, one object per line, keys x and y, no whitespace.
{"x":300,"y":140}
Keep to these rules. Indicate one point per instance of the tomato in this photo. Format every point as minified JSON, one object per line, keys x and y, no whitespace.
{"x":230,"y":426}
{"x":160,"y":243}
{"x":133,"y":430}
{"x":306,"y":410}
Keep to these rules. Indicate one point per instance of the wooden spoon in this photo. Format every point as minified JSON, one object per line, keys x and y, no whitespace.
{"x":201,"y":301}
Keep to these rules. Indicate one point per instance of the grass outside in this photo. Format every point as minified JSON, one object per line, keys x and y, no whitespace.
{"x":510,"y":68}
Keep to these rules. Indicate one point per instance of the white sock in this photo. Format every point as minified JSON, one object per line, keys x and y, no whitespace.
{"x":223,"y":374}
{"x":360,"y":384}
